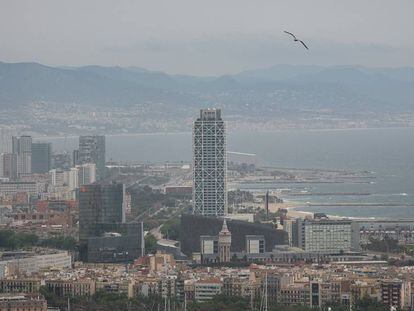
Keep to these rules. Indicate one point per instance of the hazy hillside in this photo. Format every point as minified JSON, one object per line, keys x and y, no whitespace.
{"x":282,"y":88}
{"x":28,"y":82}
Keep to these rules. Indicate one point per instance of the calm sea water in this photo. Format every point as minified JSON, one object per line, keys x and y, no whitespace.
{"x":389,"y":153}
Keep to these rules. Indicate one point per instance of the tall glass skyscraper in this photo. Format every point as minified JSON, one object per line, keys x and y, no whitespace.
{"x":22,"y":147}
{"x":103,"y":234}
{"x":92,"y":150}
{"x":41,"y":157}
{"x":99,"y":204}
{"x":209,"y":164}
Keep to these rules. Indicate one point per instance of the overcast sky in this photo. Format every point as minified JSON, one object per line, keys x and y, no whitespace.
{"x":207,"y":37}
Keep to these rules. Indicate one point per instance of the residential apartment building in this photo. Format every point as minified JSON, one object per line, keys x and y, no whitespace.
{"x":396,"y":293}
{"x":206,"y":289}
{"x":70,"y":288}
{"x":14,"y":187}
{"x":20,"y":285}
{"x":23,"y":302}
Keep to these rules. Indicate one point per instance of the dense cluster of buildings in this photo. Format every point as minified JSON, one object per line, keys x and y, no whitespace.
{"x":45,"y":218}
{"x":25,"y":157}
{"x":30,"y":167}
{"x":160,"y":276}
{"x":39,"y":195}
{"x":312,"y":261}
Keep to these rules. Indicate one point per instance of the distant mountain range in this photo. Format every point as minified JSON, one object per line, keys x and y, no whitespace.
{"x":280,"y":89}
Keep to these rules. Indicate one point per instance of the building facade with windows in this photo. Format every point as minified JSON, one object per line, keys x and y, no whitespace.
{"x":92,"y":150}
{"x":8,"y":166}
{"x":327,"y":236}
{"x":41,"y":157}
{"x":209,"y":164}
{"x":205,"y":290}
{"x":22,"y":147}
{"x":103,"y":234}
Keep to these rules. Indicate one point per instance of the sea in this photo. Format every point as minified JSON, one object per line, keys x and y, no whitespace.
{"x":386,"y":153}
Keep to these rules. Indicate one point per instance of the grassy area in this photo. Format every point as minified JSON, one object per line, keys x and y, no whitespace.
{"x":11,"y":240}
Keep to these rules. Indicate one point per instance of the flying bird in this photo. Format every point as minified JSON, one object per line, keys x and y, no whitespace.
{"x":296,"y":39}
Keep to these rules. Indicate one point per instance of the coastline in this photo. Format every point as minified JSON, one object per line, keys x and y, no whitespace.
{"x":291,"y":208}
{"x":295,"y":210}
{"x":230,"y":131}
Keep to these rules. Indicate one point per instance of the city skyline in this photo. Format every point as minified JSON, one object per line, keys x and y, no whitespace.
{"x":207,"y":155}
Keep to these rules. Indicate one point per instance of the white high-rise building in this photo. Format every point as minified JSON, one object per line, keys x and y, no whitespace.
{"x":57,"y":177}
{"x":328,"y":236}
{"x":209,"y":164}
{"x":80,"y":175}
{"x":86,"y":173}
{"x":73,"y":178}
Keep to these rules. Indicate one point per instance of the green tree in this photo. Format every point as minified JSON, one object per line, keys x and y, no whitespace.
{"x":52,"y":298}
{"x":385,"y":245}
{"x":370,"y":304}
{"x":221,"y":302}
{"x":280,"y":307}
{"x":60,"y":242}
{"x":14,"y":240}
{"x":171,"y":229}
{"x":335,"y":306}
{"x":150,"y":243}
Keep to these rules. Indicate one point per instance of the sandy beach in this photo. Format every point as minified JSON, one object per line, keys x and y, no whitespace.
{"x":291,"y":208}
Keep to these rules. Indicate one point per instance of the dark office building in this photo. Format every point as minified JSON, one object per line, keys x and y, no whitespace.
{"x":99,"y":204}
{"x":75,"y":157}
{"x":41,"y":157}
{"x":194,"y":226}
{"x":92,"y":150}
{"x":123,"y":242}
{"x":103,"y":236}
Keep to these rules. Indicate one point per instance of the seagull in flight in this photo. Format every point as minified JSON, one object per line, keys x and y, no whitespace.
{"x":296,"y":39}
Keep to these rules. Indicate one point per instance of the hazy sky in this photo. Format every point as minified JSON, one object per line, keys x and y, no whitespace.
{"x":209,"y":36}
